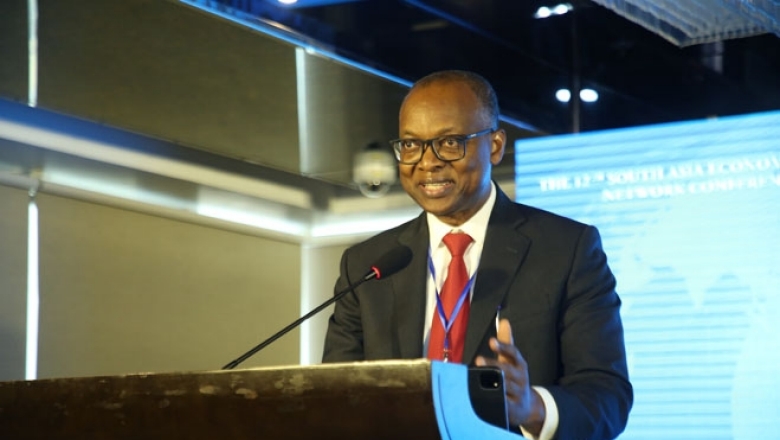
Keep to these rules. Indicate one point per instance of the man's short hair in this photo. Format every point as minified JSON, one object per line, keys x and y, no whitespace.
{"x":477,"y":83}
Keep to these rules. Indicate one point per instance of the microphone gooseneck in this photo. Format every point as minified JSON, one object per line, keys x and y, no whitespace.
{"x":388,"y":264}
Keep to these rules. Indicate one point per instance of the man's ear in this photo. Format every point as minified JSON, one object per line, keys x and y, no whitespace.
{"x":497,"y":145}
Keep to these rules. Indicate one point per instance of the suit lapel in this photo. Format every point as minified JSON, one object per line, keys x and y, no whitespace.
{"x":409,"y":290}
{"x":503,"y":252}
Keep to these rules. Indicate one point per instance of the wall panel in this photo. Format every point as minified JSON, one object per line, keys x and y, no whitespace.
{"x":13,"y":49}
{"x":13,"y":282}
{"x":125,"y":292}
{"x":172,"y":72}
{"x":319,"y":272}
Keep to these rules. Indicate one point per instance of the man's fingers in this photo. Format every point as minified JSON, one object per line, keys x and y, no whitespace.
{"x":505,"y":332}
{"x":511,"y":362}
{"x":506,"y":348}
{"x":508,"y":354}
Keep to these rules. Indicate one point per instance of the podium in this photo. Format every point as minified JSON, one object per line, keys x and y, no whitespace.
{"x":363,"y":400}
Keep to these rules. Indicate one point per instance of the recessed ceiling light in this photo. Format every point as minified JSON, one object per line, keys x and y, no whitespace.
{"x":563,"y":95}
{"x":586,"y":95}
{"x":589,"y":95}
{"x":543,"y":12}
{"x":562,"y":8}
{"x":559,"y":9}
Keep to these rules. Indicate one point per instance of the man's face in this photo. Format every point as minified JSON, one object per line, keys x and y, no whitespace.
{"x":452,"y":191}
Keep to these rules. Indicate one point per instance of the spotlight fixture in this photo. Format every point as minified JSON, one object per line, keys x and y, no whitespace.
{"x":547,"y":11}
{"x":589,"y":95}
{"x":586,"y":95}
{"x":543,"y":12}
{"x":563,"y":95}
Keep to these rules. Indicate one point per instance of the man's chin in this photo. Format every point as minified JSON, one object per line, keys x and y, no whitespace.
{"x":438,"y":207}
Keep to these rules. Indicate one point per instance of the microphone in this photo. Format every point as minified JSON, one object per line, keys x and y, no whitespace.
{"x":388,"y":264}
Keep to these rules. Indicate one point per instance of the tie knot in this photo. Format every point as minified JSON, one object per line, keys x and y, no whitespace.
{"x":457,"y":243}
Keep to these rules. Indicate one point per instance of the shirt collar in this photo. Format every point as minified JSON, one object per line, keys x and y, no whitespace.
{"x":476,"y":226}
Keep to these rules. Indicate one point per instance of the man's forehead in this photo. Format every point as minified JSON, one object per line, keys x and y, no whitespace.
{"x":444,"y":88}
{"x":441,"y":97}
{"x":443,"y":106}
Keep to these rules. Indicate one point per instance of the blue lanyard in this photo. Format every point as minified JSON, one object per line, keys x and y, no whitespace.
{"x":445,"y":322}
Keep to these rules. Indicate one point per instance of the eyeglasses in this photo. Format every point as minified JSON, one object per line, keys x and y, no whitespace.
{"x":447,"y":148}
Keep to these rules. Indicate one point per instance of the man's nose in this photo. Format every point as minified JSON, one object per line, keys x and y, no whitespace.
{"x":429,"y":157}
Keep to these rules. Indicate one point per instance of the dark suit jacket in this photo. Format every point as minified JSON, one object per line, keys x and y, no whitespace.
{"x":550,"y":277}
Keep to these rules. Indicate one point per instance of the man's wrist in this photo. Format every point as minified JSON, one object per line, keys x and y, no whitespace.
{"x":549,"y":416}
{"x":535,"y":422}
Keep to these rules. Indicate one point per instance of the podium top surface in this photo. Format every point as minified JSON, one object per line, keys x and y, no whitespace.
{"x":361,"y":400}
{"x":386,"y":399}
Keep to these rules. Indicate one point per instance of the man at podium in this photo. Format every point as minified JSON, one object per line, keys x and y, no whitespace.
{"x":490,"y":282}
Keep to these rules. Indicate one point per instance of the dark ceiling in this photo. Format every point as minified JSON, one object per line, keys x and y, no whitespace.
{"x":640,"y":77}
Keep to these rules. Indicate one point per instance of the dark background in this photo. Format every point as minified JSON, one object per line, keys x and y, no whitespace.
{"x":641,"y":77}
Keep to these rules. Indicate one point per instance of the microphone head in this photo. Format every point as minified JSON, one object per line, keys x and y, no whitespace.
{"x":391,"y":262}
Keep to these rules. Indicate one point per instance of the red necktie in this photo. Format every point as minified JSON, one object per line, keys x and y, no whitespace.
{"x":457,"y":277}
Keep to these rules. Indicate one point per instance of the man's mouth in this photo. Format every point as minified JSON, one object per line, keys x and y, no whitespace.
{"x":436,"y":188}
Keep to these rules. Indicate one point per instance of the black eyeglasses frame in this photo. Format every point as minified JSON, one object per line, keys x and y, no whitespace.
{"x":461,"y":138}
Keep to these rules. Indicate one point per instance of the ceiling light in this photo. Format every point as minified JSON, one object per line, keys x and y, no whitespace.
{"x":559,"y":9}
{"x":589,"y":95}
{"x":563,"y":95}
{"x":543,"y":12}
{"x":586,"y":95}
{"x":288,"y":2}
{"x":562,"y":8}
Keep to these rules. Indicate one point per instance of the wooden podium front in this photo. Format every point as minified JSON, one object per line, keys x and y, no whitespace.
{"x":363,"y":400}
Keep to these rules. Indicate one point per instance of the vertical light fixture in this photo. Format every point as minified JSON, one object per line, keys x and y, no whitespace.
{"x":33,"y":298}
{"x":32,"y":53}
